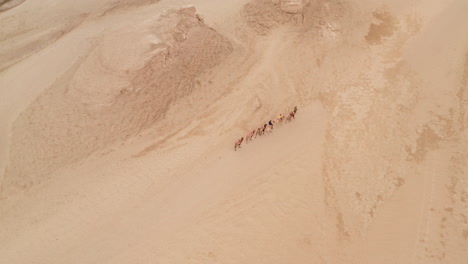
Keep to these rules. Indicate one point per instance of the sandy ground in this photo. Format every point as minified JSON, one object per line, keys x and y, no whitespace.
{"x":118,"y":120}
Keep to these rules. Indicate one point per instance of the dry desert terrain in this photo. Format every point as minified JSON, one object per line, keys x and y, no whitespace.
{"x":118,"y":121}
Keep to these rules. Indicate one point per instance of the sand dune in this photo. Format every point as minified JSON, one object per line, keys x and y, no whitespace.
{"x":109,"y":95}
{"x":119,"y":118}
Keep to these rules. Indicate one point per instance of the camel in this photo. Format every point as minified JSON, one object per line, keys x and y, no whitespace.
{"x":259,"y":132}
{"x":249,"y":136}
{"x":238,"y":143}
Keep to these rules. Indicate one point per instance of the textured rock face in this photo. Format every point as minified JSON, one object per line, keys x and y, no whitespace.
{"x":293,"y":6}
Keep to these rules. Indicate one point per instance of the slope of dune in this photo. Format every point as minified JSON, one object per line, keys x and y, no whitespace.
{"x":116,"y":91}
{"x":118,"y":129}
{"x":8,"y":4}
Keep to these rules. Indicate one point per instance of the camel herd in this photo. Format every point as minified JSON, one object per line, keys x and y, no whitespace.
{"x":266,"y":128}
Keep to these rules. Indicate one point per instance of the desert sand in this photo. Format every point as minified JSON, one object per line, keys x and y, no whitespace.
{"x":118,"y":121}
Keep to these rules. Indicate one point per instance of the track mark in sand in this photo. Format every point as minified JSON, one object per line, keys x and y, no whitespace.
{"x":192,"y":130}
{"x":340,"y":225}
{"x":159,"y":144}
{"x":156,"y":145}
{"x":424,"y":205}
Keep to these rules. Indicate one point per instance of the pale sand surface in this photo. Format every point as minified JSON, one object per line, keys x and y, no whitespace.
{"x":118,"y":118}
